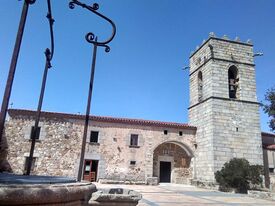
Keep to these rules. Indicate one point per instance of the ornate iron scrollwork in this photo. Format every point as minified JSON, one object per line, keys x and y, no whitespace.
{"x":90,"y":37}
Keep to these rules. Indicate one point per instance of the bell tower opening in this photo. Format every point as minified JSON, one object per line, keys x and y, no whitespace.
{"x":200,"y":86}
{"x":233,"y":82}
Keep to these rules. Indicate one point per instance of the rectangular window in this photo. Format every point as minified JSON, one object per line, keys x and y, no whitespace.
{"x":180,"y":133}
{"x":37,"y":132}
{"x":165,"y":132}
{"x":94,"y":137}
{"x":27,"y":162}
{"x":132,"y":162}
{"x":134,"y":140}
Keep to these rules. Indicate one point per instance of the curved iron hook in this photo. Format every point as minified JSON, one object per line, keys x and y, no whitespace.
{"x":49,"y":56}
{"x":49,"y":52}
{"x":30,"y":1}
{"x":90,"y":37}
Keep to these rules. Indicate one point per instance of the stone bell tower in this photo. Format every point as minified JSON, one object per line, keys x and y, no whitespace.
{"x":223,"y":105}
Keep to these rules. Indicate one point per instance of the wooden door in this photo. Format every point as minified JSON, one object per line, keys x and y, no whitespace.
{"x":90,"y":170}
{"x":164,"y":171}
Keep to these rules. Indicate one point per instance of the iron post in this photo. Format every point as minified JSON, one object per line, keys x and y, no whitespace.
{"x":90,"y":38}
{"x":87,"y":113}
{"x":16,"y":50}
{"x":48,"y":55}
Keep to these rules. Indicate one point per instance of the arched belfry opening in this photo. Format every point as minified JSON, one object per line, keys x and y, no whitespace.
{"x":233,"y":82}
{"x":171,"y":163}
{"x":200,"y":86}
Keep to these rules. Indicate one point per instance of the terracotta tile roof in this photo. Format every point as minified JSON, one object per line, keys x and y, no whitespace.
{"x":267,"y":134}
{"x":268,"y":140}
{"x":271,"y":147}
{"x":22,"y":112}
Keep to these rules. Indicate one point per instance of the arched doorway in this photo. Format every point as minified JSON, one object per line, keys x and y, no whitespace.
{"x":171,"y":163}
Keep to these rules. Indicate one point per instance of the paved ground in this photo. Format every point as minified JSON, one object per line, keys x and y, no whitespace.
{"x":172,"y":195}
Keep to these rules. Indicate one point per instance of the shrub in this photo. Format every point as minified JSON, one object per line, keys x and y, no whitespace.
{"x":255,"y":176}
{"x":238,"y":174}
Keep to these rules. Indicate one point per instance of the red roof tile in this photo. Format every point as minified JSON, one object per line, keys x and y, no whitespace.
{"x":268,"y":134}
{"x":21,"y":112}
{"x":271,"y":147}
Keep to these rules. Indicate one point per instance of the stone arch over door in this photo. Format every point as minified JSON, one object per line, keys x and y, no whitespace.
{"x":173,"y":157}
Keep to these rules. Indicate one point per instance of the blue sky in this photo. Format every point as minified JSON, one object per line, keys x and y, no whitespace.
{"x":141,"y":77}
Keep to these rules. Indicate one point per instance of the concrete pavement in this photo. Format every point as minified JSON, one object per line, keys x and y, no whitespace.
{"x":174,"y":194}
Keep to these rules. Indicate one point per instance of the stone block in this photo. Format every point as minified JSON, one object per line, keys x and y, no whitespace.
{"x":115,"y":197}
{"x":261,"y":194}
{"x":152,"y":180}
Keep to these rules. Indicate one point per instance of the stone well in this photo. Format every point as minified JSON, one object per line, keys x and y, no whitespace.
{"x":43,"y":190}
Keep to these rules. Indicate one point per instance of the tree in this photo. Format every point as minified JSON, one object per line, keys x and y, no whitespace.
{"x":269,"y":108}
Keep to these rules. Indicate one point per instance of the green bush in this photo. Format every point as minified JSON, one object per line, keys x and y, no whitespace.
{"x":238,"y":174}
{"x":255,"y":176}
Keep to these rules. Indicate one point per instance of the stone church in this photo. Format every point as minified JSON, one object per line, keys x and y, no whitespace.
{"x":223,"y":123}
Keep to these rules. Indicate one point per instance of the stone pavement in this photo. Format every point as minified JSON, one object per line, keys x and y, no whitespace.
{"x":174,"y":194}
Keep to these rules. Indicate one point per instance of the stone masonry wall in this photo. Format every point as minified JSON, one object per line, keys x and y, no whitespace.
{"x":55,"y":154}
{"x":114,"y":152}
{"x":236,"y":132}
{"x":58,"y":151}
{"x":202,"y":117}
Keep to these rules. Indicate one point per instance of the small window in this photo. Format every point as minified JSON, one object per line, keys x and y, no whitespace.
{"x":134,"y":140}
{"x":165,"y":132}
{"x":27,"y":162}
{"x":271,"y":170}
{"x":180,"y":133}
{"x":37,"y":132}
{"x":132,"y":162}
{"x":94,"y":137}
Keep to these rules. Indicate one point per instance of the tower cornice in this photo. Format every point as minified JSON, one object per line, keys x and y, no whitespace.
{"x":220,"y":59}
{"x":221,"y":39}
{"x":223,"y":98}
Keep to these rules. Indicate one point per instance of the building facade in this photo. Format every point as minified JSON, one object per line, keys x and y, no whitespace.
{"x":223,"y":124}
{"x":268,"y":140}
{"x":117,"y":149}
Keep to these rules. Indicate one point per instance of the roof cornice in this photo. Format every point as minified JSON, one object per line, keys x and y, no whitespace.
{"x":21,"y":112}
